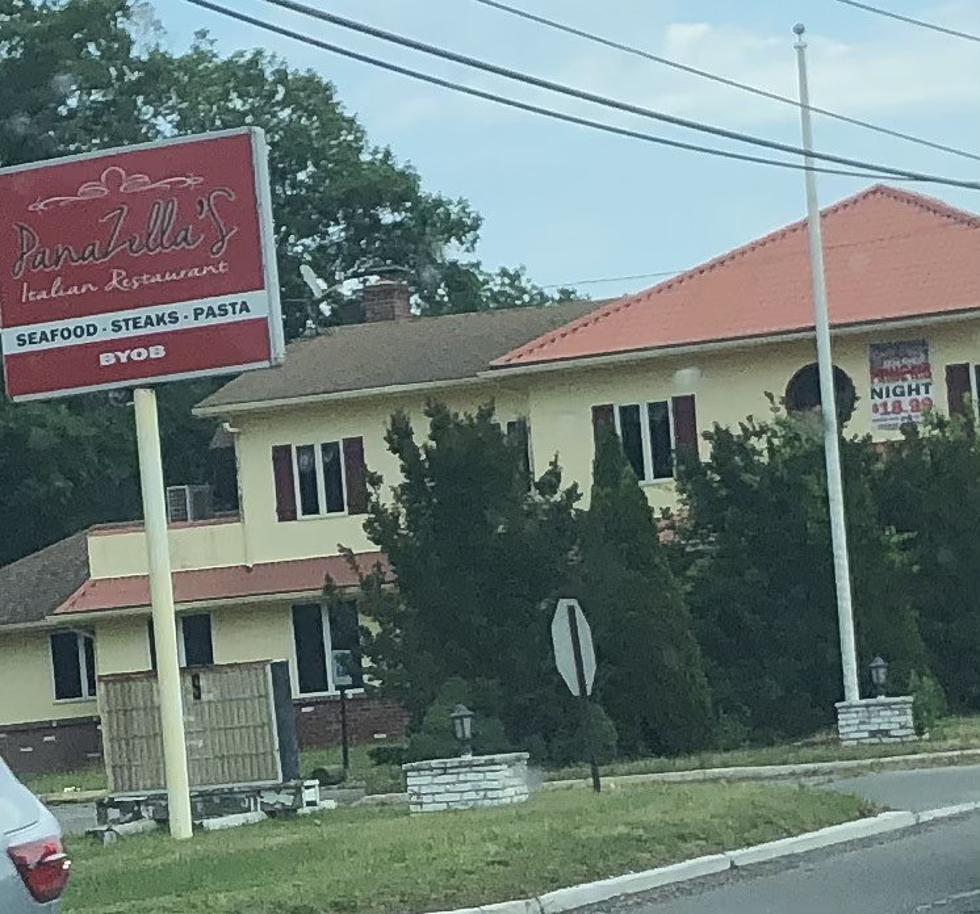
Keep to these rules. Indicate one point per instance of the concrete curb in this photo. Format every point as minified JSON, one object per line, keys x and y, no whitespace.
{"x":72,"y":797}
{"x":946,"y":812}
{"x":590,"y":893}
{"x":577,"y":896}
{"x":824,"y":837}
{"x":776,"y":772}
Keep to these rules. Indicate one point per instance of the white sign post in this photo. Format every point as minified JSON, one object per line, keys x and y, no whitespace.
{"x":162,"y":607}
{"x":571,"y":636}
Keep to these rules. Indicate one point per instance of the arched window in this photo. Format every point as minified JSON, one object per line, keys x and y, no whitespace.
{"x":803,"y":392}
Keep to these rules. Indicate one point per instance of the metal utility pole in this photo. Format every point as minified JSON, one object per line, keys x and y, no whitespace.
{"x":828,"y":400}
{"x":164,"y":621}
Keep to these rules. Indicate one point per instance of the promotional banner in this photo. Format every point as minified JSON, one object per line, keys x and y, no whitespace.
{"x":901,"y":383}
{"x":138,"y":265}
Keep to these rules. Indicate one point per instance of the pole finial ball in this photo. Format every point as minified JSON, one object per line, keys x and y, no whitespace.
{"x":799,"y":29}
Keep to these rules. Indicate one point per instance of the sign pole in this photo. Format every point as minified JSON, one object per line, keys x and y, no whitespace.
{"x":583,"y":692}
{"x":835,"y":483}
{"x":344,"y":735}
{"x":164,"y":620}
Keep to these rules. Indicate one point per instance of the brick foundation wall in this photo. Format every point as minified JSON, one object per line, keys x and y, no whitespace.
{"x":369,"y":719}
{"x":44,"y":747}
{"x":56,"y":745}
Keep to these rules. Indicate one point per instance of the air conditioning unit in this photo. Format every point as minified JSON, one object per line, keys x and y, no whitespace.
{"x":188,"y":503}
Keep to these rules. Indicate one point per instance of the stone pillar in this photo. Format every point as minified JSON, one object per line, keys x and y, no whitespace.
{"x":465,"y":783}
{"x":875,"y":720}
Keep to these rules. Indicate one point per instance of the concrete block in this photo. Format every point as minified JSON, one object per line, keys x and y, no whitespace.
{"x":243,"y":818}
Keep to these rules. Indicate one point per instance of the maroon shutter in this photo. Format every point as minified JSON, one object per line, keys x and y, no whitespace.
{"x":282,"y":471}
{"x":957,"y":388}
{"x":685,"y":425}
{"x":356,"y":475}
{"x":602,"y":417}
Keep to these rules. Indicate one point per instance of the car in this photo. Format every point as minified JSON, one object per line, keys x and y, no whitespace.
{"x":34,"y":867}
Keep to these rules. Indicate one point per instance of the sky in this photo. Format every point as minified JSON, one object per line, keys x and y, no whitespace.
{"x":574,"y":205}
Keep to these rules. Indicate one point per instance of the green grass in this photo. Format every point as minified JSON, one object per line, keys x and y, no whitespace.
{"x":358,"y":861}
{"x":84,"y":779}
{"x":950,"y":734}
{"x":374,"y":778}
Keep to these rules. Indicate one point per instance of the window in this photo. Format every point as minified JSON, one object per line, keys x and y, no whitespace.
{"x":314,"y":480}
{"x":646,"y":431}
{"x":328,"y":654}
{"x":803,"y":392}
{"x":320,"y":483}
{"x":194,"y":643}
{"x":73,"y":662}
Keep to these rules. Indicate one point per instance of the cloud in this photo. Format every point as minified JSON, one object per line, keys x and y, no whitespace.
{"x":907,"y":71}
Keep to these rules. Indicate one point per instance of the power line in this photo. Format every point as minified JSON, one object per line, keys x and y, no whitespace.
{"x":769,"y":256}
{"x":919,"y":22}
{"x":604,"y":279}
{"x":533,"y":109}
{"x":605,"y":101}
{"x":724,"y":80}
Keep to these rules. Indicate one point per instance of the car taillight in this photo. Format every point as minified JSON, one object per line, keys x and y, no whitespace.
{"x":44,"y":867}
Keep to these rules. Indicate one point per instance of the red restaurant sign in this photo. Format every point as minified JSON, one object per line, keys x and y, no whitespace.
{"x":137,"y":266}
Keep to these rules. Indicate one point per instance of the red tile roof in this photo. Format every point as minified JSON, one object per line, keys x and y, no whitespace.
{"x":889,"y":255}
{"x":228,"y":583}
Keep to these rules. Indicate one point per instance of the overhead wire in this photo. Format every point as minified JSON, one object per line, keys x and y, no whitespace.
{"x":605,"y":101}
{"x":535,"y":109}
{"x":877,"y":10}
{"x":723,"y":80}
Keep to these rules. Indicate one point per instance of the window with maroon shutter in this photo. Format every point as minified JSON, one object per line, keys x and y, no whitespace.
{"x":282,"y":470}
{"x":603,"y":416}
{"x":651,"y":433}
{"x":957,"y":388}
{"x":355,"y":473}
{"x":685,"y":425}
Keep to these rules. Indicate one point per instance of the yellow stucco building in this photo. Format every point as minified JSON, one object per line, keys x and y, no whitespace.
{"x":662,"y":366}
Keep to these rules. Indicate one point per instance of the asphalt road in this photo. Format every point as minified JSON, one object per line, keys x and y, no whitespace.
{"x":929,"y":870}
{"x":75,"y":818}
{"x":933,"y":870}
{"x":923,"y":788}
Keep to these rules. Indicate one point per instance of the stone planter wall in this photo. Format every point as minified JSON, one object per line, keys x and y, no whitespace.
{"x":465,"y":783}
{"x":875,"y":720}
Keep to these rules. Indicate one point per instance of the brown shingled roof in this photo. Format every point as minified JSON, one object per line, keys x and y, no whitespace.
{"x":392,"y":353}
{"x":38,"y":584}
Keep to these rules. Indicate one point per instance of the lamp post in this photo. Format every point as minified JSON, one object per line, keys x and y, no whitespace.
{"x":879,"y":675}
{"x":462,"y":719}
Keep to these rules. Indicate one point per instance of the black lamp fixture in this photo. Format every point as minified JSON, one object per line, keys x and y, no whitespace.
{"x":879,"y":675}
{"x":462,"y":718}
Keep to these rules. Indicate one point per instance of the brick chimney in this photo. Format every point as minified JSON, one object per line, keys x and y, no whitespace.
{"x":387,"y":300}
